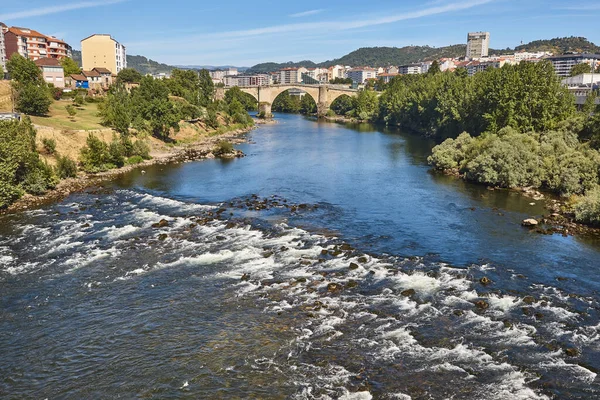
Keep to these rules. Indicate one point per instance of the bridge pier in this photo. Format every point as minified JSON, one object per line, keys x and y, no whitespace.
{"x":264,"y":110}
{"x":322,"y":108}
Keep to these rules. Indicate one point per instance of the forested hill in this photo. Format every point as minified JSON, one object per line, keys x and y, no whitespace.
{"x":384,"y":56}
{"x":571,"y":44}
{"x":140,"y":63}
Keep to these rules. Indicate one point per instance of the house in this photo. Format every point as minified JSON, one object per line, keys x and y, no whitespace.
{"x":52,"y":71}
{"x":80,"y":81}
{"x":106,"y":77}
{"x":34,"y":45}
{"x":94,"y":78}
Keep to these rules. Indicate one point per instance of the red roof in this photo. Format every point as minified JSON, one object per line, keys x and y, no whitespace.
{"x":101,"y":70}
{"x":22,"y":32}
{"x":92,"y":74}
{"x":78,"y":77}
{"x":47,"y":62}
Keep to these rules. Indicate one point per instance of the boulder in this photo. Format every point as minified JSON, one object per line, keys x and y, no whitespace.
{"x":529,"y":222}
{"x":408,"y":292}
{"x":482,"y":304}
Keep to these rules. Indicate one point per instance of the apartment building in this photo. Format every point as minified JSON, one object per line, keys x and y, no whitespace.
{"x":360,"y":75}
{"x":2,"y":50}
{"x":289,"y":76}
{"x":52,"y":71}
{"x":102,"y":51}
{"x":246,"y":80}
{"x":409,"y":69}
{"x":478,"y":44}
{"x":563,"y":63}
{"x":34,"y":45}
{"x":387,"y":77}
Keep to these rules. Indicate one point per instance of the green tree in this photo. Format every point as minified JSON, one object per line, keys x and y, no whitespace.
{"x":207,"y":88}
{"x":129,"y":75}
{"x":33,"y":99}
{"x":24,"y":71}
{"x":245,"y":99}
{"x":434,"y":68}
{"x":116,"y":110}
{"x":71,"y":110}
{"x":579,"y":69}
{"x":69,"y":66}
{"x":307,"y":105}
{"x":21,"y":169}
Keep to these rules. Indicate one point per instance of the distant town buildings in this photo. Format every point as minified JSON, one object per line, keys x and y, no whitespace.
{"x":101,"y":50}
{"x":32,"y":44}
{"x":361,"y":74}
{"x":563,"y":63}
{"x":478,"y":44}
{"x":410,"y":69}
{"x":247,"y":80}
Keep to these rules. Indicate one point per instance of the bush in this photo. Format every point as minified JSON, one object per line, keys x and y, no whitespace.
{"x":134,"y":160}
{"x":71,"y":110}
{"x":33,"y":99}
{"x":49,"y":145}
{"x":21,"y":169}
{"x":66,"y":168}
{"x":141,"y":149}
{"x":554,"y":160}
{"x":223,"y":147}
{"x":40,"y":179}
{"x":94,"y":155}
{"x":587,"y":208}
{"x":57,"y":93}
{"x":116,"y":153}
{"x":78,"y":100}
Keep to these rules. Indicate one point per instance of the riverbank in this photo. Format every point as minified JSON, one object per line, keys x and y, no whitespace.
{"x":202,"y":148}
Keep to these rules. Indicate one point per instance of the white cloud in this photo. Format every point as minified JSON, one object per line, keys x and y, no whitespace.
{"x":306,"y":13}
{"x":36,"y":12}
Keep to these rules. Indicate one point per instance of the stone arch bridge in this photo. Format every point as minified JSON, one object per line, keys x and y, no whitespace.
{"x":323,"y":95}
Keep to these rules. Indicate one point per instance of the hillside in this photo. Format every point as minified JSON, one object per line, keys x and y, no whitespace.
{"x":384,"y":56}
{"x":571,"y":44}
{"x":140,"y":63}
{"x":5,"y":97}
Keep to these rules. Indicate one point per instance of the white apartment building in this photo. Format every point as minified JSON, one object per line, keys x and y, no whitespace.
{"x":246,"y":80}
{"x":337,"y":71}
{"x":478,"y":44}
{"x":2,"y":53}
{"x":525,"y":55}
{"x":360,"y":75}
{"x":410,"y":69}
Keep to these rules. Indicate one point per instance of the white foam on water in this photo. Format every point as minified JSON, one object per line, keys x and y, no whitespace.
{"x":356,"y":396}
{"x":504,"y":303}
{"x":114,"y":232}
{"x":428,"y":286}
{"x":576,"y":371}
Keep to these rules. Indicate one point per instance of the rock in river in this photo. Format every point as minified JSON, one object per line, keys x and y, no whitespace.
{"x":529,"y":222}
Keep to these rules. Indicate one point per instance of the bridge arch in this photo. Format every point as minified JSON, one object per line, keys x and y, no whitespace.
{"x":323,"y":95}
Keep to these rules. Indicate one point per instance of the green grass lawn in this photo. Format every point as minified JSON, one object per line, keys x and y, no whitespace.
{"x":86,"y":118}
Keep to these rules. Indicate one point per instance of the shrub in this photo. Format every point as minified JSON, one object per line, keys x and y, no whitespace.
{"x":116,"y":153}
{"x":40,"y":179}
{"x":21,"y":169}
{"x":78,"y":100}
{"x":49,"y":145}
{"x":66,"y":168}
{"x":134,"y":160}
{"x":94,"y":155}
{"x":57,"y":93}
{"x":223,"y":147}
{"x":587,"y":209}
{"x":140,"y":148}
{"x":33,"y":99}
{"x":71,"y":110}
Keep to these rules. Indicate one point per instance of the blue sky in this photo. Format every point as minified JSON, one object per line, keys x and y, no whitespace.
{"x":244,"y":33}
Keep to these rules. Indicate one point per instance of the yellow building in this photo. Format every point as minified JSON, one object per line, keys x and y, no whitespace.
{"x":102,"y":51}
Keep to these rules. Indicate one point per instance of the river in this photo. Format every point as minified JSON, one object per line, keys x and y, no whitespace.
{"x":327,"y":263}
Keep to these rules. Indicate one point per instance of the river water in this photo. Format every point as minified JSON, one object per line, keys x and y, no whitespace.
{"x":328,"y":263}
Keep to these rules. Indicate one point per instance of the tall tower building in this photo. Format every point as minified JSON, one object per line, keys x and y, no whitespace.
{"x":478,"y":44}
{"x":103,"y":51}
